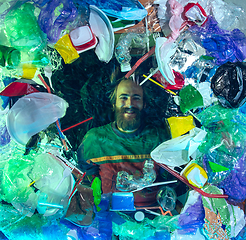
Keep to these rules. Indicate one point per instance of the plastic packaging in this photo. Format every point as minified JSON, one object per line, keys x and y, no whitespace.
{"x":228,"y":84}
{"x":55,"y":16}
{"x":4,"y":136}
{"x":122,"y":9}
{"x":180,"y":125}
{"x":190,"y":98}
{"x":9,"y":57}
{"x":221,"y":218}
{"x":195,"y":174}
{"x":22,"y":29}
{"x":192,"y":215}
{"x":83,"y":39}
{"x":166,"y":197}
{"x":33,"y":113}
{"x":177,"y":151}
{"x":223,"y":45}
{"x":124,"y":45}
{"x":127,"y":182}
{"x":234,"y":184}
{"x":66,"y":49}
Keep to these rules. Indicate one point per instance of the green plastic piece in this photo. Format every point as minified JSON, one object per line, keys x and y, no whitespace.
{"x":22,"y":29}
{"x":96,"y":186}
{"x":190,"y":98}
{"x":217,"y":168}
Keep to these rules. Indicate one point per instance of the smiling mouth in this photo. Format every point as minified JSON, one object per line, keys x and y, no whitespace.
{"x":129,"y":111}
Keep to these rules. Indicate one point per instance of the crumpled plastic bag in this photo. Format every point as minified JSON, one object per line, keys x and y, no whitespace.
{"x":222,"y":220}
{"x":221,"y":44}
{"x":34,"y":113}
{"x":228,"y":84}
{"x":234,"y":185}
{"x":192,"y":215}
{"x":177,"y":151}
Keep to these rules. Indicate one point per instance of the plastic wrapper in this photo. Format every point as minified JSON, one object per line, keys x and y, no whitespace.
{"x":192,"y":215}
{"x":221,"y":44}
{"x":126,"y":9}
{"x":15,"y":180}
{"x":131,"y":229}
{"x":225,"y":12}
{"x":234,"y":184}
{"x":124,"y":46}
{"x":57,"y":15}
{"x":14,"y":225}
{"x":190,"y":98}
{"x":22,"y":29}
{"x":228,"y":84}
{"x":177,"y":151}
{"x":4,"y":135}
{"x":222,"y":145}
{"x":188,"y":51}
{"x":221,"y":219}
{"x":80,"y":211}
{"x":33,"y":113}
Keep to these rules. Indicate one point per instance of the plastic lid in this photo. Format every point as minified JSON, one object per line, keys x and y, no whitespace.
{"x":139,"y":216}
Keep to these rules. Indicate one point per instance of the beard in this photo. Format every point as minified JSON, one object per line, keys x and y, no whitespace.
{"x":128,"y":124}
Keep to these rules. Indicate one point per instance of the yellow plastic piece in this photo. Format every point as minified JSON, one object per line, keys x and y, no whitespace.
{"x":29,"y":71}
{"x":195,"y":174}
{"x":66,"y":49}
{"x":180,"y":125}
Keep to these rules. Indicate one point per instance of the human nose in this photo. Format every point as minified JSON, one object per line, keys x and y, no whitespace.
{"x":129,"y":102}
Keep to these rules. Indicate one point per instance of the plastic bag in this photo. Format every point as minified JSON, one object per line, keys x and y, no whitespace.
{"x":228,"y":84}
{"x":223,"y":45}
{"x":123,"y":9}
{"x":22,"y":29}
{"x":55,"y":16}
{"x":192,"y":215}
{"x":177,"y":151}
{"x":222,"y":220}
{"x":33,"y":113}
{"x":234,"y":184}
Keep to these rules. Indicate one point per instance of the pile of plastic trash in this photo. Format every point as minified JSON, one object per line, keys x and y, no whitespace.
{"x":199,"y":48}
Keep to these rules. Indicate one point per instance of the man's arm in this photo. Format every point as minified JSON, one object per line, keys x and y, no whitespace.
{"x":89,"y":168}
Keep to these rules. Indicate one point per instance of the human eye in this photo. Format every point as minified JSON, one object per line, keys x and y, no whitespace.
{"x":123,"y":97}
{"x":137,"y":98}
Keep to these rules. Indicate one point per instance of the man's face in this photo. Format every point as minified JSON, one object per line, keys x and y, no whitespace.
{"x":128,"y":106}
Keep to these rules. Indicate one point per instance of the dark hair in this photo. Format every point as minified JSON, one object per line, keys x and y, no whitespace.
{"x":114,"y":87}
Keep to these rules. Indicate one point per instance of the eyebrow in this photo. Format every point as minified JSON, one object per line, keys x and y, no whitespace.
{"x":127,"y":95}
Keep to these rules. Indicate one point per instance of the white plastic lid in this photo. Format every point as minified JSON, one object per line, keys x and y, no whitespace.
{"x":139,"y":216}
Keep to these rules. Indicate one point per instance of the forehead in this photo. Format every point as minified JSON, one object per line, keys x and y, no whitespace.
{"x":130,"y":88}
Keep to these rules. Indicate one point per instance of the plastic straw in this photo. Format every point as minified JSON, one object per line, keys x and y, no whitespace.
{"x":184,"y":180}
{"x":142,"y":59}
{"x":77,"y":124}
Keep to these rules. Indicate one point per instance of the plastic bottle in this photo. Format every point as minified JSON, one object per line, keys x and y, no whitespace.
{"x":127,"y":182}
{"x":166,"y":197}
{"x":122,"y":50}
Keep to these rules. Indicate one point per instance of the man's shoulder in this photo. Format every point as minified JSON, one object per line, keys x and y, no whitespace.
{"x":162,"y":131}
{"x":99,"y":130}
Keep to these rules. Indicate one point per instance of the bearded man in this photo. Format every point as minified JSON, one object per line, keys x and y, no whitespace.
{"x":123,"y":145}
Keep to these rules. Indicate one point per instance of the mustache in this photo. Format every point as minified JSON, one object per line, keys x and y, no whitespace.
{"x":132,"y":109}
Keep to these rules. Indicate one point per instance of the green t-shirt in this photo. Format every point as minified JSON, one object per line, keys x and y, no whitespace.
{"x":105,"y":151}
